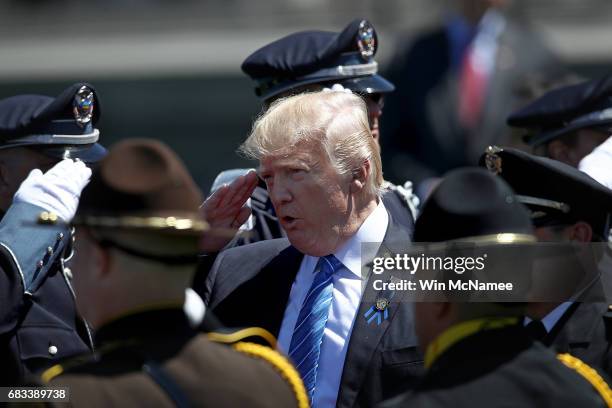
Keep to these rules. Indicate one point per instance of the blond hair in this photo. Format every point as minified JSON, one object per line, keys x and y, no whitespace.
{"x":338,"y":121}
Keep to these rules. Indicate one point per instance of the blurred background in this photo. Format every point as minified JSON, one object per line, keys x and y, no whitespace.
{"x":171,"y":69}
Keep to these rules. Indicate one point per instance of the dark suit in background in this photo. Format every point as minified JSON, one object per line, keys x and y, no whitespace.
{"x":423,"y":134}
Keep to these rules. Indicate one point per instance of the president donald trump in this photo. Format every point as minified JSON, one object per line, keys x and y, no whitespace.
{"x":323,"y":173}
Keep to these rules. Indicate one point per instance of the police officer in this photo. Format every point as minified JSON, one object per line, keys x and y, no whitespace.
{"x":309,"y":61}
{"x":38,"y":319}
{"x":139,"y":227}
{"x":567,"y":123}
{"x":567,"y":207}
{"x":506,"y":367}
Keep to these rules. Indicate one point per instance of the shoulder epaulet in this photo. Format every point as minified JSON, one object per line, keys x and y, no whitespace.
{"x":406,"y":196}
{"x":589,"y":374}
{"x":280,"y":364}
{"x":234,"y":336}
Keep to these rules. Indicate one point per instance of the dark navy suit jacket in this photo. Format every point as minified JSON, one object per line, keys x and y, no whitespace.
{"x":250,"y":286}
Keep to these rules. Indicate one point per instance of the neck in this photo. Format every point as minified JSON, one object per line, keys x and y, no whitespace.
{"x":539,"y":310}
{"x":358,"y":216}
{"x":115,"y":310}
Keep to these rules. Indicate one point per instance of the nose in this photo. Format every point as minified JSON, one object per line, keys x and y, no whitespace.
{"x":279,"y":191}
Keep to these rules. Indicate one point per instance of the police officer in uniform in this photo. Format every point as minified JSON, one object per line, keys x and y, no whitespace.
{"x":505,"y":367}
{"x":38,"y":319}
{"x":309,"y":61}
{"x":139,"y":228}
{"x":567,"y":206}
{"x":567,"y":123}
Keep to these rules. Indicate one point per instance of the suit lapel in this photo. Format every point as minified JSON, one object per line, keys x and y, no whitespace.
{"x":365,"y":335}
{"x":261,"y":300}
{"x":574,"y":331}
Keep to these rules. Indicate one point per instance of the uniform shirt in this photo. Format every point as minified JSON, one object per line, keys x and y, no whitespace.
{"x":345,"y":302}
{"x":598,"y":164}
{"x":550,"y":320}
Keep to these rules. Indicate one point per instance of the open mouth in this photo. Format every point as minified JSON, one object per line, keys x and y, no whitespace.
{"x":288,"y":221}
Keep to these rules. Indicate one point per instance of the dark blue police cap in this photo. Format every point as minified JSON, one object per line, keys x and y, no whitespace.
{"x":556,"y":194}
{"x":61,"y":127}
{"x":312,"y":57}
{"x":564,"y":110}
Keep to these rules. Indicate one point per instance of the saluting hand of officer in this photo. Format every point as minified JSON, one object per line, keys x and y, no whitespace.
{"x":58,"y":190}
{"x":226,"y":208}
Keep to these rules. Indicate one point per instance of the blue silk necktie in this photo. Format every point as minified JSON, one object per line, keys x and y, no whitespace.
{"x":305,"y":346}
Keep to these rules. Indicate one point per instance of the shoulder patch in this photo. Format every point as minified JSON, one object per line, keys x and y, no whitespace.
{"x":406,"y":196}
{"x":589,"y":374}
{"x":280,"y":364}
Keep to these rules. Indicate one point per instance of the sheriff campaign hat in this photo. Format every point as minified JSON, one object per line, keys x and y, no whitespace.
{"x":319,"y":57}
{"x":141,"y":200}
{"x":472,"y":204}
{"x":62,"y":127}
{"x":564,"y":110}
{"x":556,"y":194}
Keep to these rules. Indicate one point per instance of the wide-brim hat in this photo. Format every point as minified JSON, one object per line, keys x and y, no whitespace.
{"x":470,"y":204}
{"x":142,"y":185}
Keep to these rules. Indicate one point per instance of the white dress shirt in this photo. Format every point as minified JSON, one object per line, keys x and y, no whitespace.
{"x":345,"y":302}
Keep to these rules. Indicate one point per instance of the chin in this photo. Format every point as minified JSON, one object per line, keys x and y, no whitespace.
{"x":312,"y":247}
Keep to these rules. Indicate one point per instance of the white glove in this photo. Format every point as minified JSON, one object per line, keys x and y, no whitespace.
{"x":58,"y":190}
{"x":194,"y":307}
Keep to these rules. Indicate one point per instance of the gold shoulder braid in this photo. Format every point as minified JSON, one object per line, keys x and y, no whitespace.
{"x":589,"y":374}
{"x":280,"y":364}
{"x":51,"y":373}
{"x":242,"y":334}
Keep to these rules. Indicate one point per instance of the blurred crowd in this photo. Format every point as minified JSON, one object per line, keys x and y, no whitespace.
{"x":123,"y":284}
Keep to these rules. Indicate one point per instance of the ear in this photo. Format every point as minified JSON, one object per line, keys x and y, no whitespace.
{"x":580,"y":232}
{"x":360,"y":177}
{"x":101,"y":257}
{"x":4,"y":178}
{"x":558,"y":150}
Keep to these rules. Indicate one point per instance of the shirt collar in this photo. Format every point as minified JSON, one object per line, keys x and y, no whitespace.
{"x":373,"y":229}
{"x":553,"y":317}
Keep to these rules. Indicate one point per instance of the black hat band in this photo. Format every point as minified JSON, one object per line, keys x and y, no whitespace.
{"x":54,"y":139}
{"x":542,"y":202}
{"x":589,"y":118}
{"x":339,"y":71}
